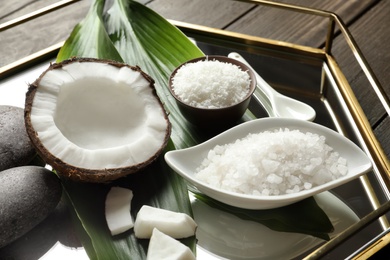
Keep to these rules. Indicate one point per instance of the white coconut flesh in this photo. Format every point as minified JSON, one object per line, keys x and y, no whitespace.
{"x":174,"y":224}
{"x":94,"y":115}
{"x":117,"y":210}
{"x":162,"y":246}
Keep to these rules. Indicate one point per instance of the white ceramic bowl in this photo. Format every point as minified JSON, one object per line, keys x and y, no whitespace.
{"x":185,"y":162}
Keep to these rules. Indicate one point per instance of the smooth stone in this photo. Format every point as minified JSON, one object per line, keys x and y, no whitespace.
{"x":28,"y":194}
{"x":16,"y":148}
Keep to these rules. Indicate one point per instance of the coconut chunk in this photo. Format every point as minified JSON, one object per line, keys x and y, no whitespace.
{"x":162,"y":246}
{"x":96,"y":120}
{"x":117,"y":210}
{"x":174,"y":224}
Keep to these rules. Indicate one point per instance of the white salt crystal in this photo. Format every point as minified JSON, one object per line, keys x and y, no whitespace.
{"x":271,"y":163}
{"x":211,"y":84}
{"x":264,"y":192}
{"x":343,"y":169}
{"x":273,"y":178}
{"x":307,"y":185}
{"x":293,"y":180}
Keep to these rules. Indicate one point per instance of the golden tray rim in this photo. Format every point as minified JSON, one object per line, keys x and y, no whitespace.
{"x":373,"y":147}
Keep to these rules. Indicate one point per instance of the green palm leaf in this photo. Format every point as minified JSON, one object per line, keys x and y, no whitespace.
{"x":89,"y":38}
{"x":157,"y":186}
{"x":131,"y":32}
{"x":146,"y":39}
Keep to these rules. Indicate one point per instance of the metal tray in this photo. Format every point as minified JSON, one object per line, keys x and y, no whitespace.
{"x":305,"y":73}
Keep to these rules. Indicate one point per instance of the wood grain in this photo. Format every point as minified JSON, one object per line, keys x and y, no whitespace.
{"x":215,"y":13}
{"x":294,"y":27}
{"x":12,"y":9}
{"x":372,"y":34}
{"x":30,"y":37}
{"x":382,"y":134}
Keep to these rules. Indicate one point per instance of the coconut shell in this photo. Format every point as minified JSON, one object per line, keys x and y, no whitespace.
{"x":83,"y":174}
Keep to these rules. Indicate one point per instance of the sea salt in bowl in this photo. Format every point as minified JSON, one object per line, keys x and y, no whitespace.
{"x":212,"y":91}
{"x":186,"y":162}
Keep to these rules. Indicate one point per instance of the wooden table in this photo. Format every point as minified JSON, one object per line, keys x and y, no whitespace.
{"x":367,"y":20}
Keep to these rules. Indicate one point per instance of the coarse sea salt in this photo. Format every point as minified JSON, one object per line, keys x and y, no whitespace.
{"x":211,"y":84}
{"x":275,"y":162}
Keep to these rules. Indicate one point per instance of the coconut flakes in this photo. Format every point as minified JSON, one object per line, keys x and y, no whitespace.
{"x":211,"y":84}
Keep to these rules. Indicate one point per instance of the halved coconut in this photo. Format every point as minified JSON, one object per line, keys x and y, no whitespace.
{"x":96,"y":120}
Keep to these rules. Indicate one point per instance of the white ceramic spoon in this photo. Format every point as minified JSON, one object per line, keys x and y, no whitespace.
{"x":185,"y":162}
{"x":282,"y":106}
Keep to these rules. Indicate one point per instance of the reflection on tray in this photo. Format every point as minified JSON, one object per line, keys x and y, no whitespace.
{"x":220,"y":235}
{"x":223,"y":235}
